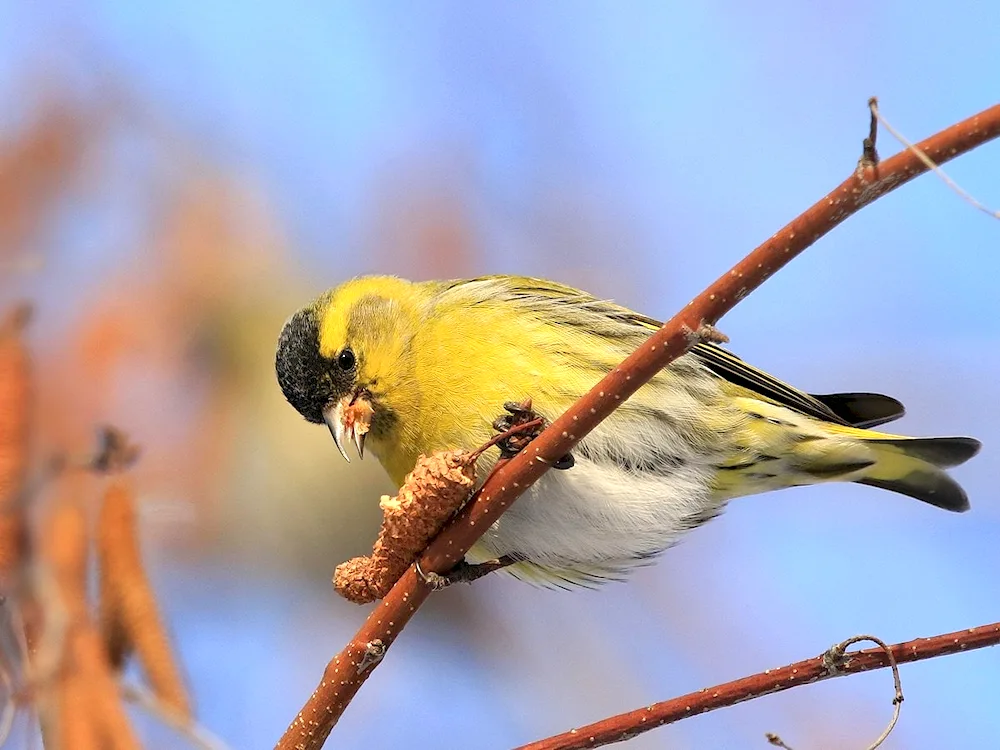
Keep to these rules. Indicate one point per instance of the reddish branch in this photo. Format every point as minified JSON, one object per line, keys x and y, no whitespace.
{"x":627,"y":725}
{"x":349,"y":669}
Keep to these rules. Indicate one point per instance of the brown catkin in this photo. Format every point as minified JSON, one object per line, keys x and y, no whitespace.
{"x":66,"y":545}
{"x":112,"y":535}
{"x":90,"y":695}
{"x":75,"y":727}
{"x":130,"y":618}
{"x":438,"y":486}
{"x":89,"y":709}
{"x":15,"y":412}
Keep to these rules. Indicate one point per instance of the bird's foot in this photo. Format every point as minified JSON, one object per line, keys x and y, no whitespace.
{"x":515,"y":422}
{"x":463,"y":572}
{"x":706,"y":334}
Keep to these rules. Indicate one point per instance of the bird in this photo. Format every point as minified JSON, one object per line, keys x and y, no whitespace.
{"x":431,"y":364}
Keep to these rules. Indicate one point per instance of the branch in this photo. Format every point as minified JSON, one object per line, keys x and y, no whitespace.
{"x":349,"y":669}
{"x":833,"y":663}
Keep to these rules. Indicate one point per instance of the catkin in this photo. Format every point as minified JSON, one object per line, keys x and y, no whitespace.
{"x":66,"y":546}
{"x":15,"y":407}
{"x":438,"y":486}
{"x":89,"y":711}
{"x":91,"y":714}
{"x":130,"y":619}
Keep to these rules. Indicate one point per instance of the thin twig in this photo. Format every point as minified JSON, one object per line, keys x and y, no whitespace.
{"x":828,"y":665}
{"x":897,"y":700}
{"x":509,"y":432}
{"x":869,"y":158}
{"x":928,"y":162}
{"x":834,"y":659}
{"x":341,"y":680}
{"x":194,"y":733}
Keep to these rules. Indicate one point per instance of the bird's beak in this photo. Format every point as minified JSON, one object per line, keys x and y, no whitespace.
{"x":333,"y":415}
{"x":349,"y":417}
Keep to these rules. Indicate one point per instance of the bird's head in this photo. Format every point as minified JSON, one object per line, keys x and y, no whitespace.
{"x":344,"y":358}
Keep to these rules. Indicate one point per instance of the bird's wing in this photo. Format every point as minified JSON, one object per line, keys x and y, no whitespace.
{"x":861,"y":410}
{"x":736,"y":371}
{"x":854,"y":409}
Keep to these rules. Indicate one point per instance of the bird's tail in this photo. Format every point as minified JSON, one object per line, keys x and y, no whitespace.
{"x":915,"y":467}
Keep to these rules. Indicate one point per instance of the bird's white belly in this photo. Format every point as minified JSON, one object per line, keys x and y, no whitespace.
{"x":599,"y":519}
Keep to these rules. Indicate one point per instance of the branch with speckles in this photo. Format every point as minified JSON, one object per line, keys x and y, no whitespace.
{"x":870,"y":180}
{"x":832,"y":663}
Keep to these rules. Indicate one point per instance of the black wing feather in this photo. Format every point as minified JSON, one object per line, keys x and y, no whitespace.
{"x":863,"y":409}
{"x":738,"y":372}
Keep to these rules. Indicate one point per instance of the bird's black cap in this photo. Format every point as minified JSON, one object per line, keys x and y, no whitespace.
{"x":303,"y":373}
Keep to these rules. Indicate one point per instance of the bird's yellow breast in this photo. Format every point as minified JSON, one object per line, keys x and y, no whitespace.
{"x":447,"y":358}
{"x":467,"y":361}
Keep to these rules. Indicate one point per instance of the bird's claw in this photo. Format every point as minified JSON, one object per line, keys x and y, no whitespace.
{"x":522,"y":414}
{"x":463,"y":572}
{"x":566,"y":462}
{"x":435,"y":581}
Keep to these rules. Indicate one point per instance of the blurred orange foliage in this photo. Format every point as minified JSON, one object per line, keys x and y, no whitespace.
{"x":35,"y":168}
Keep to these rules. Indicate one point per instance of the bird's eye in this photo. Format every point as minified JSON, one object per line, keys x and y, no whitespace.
{"x":346,"y":360}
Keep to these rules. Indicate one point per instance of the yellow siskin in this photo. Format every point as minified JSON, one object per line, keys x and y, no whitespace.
{"x":429,"y":366}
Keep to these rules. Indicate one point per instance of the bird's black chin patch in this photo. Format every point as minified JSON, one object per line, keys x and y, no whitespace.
{"x":303,"y":373}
